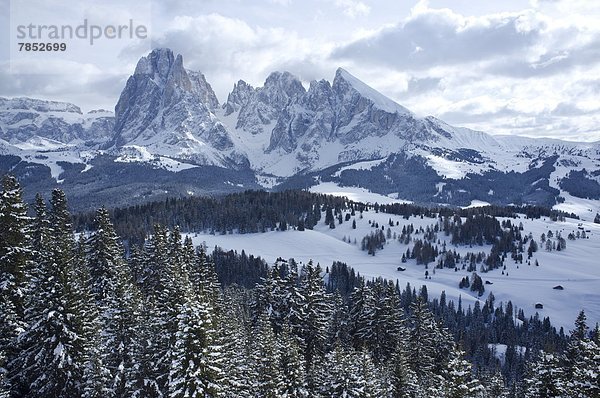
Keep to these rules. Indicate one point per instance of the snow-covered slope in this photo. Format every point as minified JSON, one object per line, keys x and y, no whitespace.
{"x":575,"y":269}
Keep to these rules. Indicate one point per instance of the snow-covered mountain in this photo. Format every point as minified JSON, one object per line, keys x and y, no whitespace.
{"x":168,"y":111}
{"x":34,"y":123}
{"x":168,"y":119}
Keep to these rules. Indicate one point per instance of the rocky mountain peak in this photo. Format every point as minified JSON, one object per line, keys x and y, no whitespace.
{"x":347,"y":85}
{"x":32,"y":121}
{"x":169,"y":109}
{"x":280,"y":88}
{"x":265,"y":104}
{"x":38,"y":105}
{"x":158,"y":63}
{"x":238,"y":97}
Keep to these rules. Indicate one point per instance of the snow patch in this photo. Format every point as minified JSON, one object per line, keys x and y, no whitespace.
{"x":365,"y":165}
{"x":354,"y":193}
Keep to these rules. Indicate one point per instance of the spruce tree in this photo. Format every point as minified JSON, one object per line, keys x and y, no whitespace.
{"x":56,"y":344}
{"x":317,"y":310}
{"x":266,"y":361}
{"x":103,"y":257}
{"x":545,"y":378}
{"x":238,"y":372}
{"x":402,"y":379}
{"x":459,"y":379}
{"x":195,"y":369}
{"x":15,"y":252}
{"x":118,"y":301}
{"x":4,"y":386}
{"x":422,"y":339}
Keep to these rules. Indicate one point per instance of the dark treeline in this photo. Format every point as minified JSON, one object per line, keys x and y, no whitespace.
{"x":529,"y":211}
{"x":259,"y":211}
{"x":250,"y":211}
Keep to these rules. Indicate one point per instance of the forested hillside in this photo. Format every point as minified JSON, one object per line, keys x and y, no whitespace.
{"x":82,"y":319}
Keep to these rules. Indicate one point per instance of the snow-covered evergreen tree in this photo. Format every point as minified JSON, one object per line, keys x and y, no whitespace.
{"x":422,"y":339}
{"x":362,"y":315}
{"x":459,"y":378}
{"x":4,"y":386}
{"x":103,"y":257}
{"x":15,"y":252}
{"x":118,"y":301}
{"x":266,"y":361}
{"x":292,"y":366}
{"x":55,"y":347}
{"x":582,"y":361}
{"x":402,"y":379}
{"x":238,"y":370}
{"x":195,"y":369}
{"x":317,"y":311}
{"x":545,"y":378}
{"x":351,"y":374}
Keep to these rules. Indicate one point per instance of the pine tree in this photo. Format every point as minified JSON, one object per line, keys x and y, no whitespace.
{"x":317,"y":310}
{"x":56,"y":344}
{"x":165,"y":301}
{"x":266,"y":361}
{"x":15,"y":252}
{"x":362,"y":314}
{"x":143,"y":382}
{"x":103,"y":257}
{"x":118,"y":301}
{"x":402,"y":379}
{"x":338,"y":324}
{"x":459,"y":380}
{"x":4,"y":387}
{"x":208,"y":281}
{"x":292,"y":366}
{"x":545,"y":378}
{"x":494,"y":386}
{"x":422,"y":337}
{"x":388,"y":322}
{"x":582,"y":361}
{"x":195,"y":369}
{"x":96,"y":375}
{"x":238,"y":372}
{"x":349,"y":374}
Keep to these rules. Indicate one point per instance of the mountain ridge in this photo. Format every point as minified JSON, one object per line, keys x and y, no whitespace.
{"x":286,"y":135}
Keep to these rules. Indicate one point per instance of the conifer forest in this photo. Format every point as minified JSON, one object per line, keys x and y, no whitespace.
{"x":121,"y":303}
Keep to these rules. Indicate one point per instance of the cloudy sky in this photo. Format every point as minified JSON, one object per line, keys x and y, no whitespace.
{"x":505,"y":67}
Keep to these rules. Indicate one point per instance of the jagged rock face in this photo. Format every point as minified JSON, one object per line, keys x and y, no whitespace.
{"x":26,"y":119}
{"x":310,"y":120}
{"x":345,"y":113}
{"x":362,"y":112}
{"x":203,"y":90}
{"x":239,"y":96}
{"x":264,"y":105}
{"x":169,"y":109}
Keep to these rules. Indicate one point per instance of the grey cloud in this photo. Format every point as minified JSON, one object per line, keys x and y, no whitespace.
{"x":551,"y":63}
{"x":566,"y":109}
{"x":468,"y":115}
{"x":417,"y":86}
{"x":437,"y":38}
{"x":99,"y":92}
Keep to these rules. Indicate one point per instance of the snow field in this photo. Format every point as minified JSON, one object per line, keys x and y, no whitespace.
{"x":576,"y":269}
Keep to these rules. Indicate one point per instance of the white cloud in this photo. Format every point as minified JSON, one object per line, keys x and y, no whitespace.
{"x":353,"y":8}
{"x":227,"y":49}
{"x":533,"y":71}
{"x":509,"y":73}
